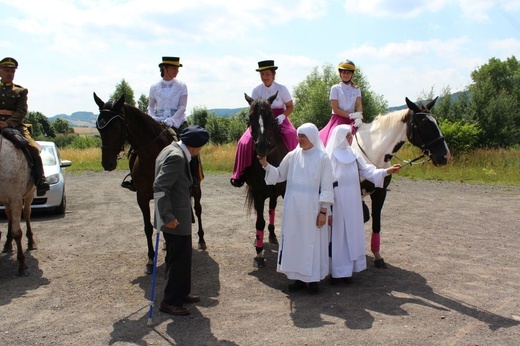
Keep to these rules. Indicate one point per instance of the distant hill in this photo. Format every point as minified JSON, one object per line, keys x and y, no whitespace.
{"x":88,"y":119}
{"x":77,"y":119}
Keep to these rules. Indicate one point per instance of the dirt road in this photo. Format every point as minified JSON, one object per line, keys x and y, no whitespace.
{"x":453,"y":277}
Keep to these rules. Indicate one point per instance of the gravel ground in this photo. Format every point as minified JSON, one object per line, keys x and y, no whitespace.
{"x":452,"y":250}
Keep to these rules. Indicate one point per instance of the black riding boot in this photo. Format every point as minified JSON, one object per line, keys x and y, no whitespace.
{"x":39,"y":176}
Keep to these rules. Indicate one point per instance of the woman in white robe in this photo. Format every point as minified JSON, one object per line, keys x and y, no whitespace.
{"x":347,"y":234}
{"x":303,"y":251}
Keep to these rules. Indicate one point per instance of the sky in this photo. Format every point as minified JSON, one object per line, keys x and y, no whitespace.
{"x":68,"y":49}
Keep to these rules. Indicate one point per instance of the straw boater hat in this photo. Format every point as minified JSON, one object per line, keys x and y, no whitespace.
{"x":8,"y":62}
{"x":266,"y":65}
{"x":168,"y":60}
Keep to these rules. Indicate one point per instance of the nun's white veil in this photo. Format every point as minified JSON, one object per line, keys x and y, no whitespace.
{"x":311,"y":131}
{"x":338,"y":144}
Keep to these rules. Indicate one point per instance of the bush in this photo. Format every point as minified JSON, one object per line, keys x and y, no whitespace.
{"x":77,"y":142}
{"x":460,"y":136}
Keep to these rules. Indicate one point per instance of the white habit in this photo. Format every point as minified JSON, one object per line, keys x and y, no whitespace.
{"x":303,"y":251}
{"x":347,"y":234}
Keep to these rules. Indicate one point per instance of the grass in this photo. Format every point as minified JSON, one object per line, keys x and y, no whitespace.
{"x":482,"y":166}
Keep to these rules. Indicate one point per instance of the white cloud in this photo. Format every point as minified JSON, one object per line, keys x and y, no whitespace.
{"x":392,"y":8}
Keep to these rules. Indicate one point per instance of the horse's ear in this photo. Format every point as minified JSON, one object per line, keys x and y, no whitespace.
{"x":248,"y":99}
{"x":119,"y":104}
{"x":431,"y":103}
{"x":99,"y":102}
{"x":272,"y":98}
{"x":412,"y":106}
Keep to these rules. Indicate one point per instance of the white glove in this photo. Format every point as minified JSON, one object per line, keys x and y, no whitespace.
{"x":356,"y":115}
{"x":358,"y":122}
{"x":280,"y":119}
{"x":168,"y":122}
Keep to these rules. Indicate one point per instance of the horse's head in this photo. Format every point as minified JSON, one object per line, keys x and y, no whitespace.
{"x":112,"y":128}
{"x":423,"y":131}
{"x":262,"y":123}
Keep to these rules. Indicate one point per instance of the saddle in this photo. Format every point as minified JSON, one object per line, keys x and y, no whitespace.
{"x":14,"y":136}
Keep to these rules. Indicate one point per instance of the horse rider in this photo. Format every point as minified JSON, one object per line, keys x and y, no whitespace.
{"x":13,"y":108}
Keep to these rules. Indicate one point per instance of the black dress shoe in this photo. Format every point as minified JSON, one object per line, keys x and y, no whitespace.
{"x":42,"y":186}
{"x":239,"y":182}
{"x":313,"y":287}
{"x":296,"y":286}
{"x":174,"y":310}
{"x":191,"y":299}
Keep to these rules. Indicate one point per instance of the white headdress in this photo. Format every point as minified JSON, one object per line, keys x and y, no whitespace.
{"x":311,"y":131}
{"x":339,"y":146}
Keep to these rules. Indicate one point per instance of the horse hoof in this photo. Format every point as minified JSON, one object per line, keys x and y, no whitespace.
{"x":7,"y":250}
{"x":149,"y":269}
{"x":202,"y":245}
{"x":31,"y":248}
{"x":380,"y":263}
{"x":23,"y":272}
{"x":259,"y":262}
{"x":273,"y":240}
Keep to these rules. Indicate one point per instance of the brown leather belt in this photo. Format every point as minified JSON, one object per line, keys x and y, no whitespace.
{"x":6,"y":112}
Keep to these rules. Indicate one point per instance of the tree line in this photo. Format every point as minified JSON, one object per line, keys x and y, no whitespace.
{"x":485,"y":115}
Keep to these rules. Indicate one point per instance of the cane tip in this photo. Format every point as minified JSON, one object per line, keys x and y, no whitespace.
{"x":149,"y":322}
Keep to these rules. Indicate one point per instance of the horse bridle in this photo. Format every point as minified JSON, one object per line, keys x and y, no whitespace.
{"x":425,"y":147}
{"x":101,"y":123}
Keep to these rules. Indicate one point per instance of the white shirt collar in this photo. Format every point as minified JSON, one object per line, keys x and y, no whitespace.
{"x":185,"y":149}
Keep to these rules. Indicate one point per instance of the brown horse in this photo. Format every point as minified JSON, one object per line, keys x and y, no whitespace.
{"x":16,"y":193}
{"x":267,"y":142}
{"x":119,"y":122}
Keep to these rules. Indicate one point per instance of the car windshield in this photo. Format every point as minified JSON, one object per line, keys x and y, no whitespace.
{"x":48,"y":157}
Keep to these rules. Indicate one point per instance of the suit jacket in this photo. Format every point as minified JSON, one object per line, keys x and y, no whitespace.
{"x":173,"y":177}
{"x":13,"y":97}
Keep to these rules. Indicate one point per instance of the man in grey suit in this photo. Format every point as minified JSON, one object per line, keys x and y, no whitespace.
{"x":173,"y":177}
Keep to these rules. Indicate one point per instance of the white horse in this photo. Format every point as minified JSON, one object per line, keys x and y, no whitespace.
{"x":16,"y":193}
{"x":380,"y":140}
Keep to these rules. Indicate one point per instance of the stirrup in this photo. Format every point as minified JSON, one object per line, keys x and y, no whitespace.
{"x":42,"y":186}
{"x":128,"y":184}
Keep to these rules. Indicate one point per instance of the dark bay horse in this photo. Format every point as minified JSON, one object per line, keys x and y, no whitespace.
{"x":16,"y":194}
{"x":119,"y":122}
{"x":267,"y":142}
{"x":380,"y":140}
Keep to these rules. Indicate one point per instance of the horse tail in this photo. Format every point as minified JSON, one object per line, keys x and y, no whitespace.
{"x":250,"y":199}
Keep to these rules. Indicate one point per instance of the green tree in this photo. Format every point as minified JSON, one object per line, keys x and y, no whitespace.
{"x":61,"y":126}
{"x":143,"y":102}
{"x":312,"y":102}
{"x":123,"y":88}
{"x":495,"y":101}
{"x":199,"y":116}
{"x":217,"y":128}
{"x":237,"y":124}
{"x":41,"y":127}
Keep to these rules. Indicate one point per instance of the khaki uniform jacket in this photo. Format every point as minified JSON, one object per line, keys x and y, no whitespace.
{"x":173,"y":177}
{"x":14,"y":98}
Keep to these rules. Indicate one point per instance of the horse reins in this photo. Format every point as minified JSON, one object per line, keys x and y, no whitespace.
{"x":124,"y":130}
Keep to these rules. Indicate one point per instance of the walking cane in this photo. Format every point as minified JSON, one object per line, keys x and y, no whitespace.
{"x":156,"y":197}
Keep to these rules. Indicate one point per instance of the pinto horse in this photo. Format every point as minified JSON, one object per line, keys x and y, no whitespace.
{"x":119,"y":122}
{"x":267,"y":142}
{"x":16,"y":193}
{"x":380,"y":140}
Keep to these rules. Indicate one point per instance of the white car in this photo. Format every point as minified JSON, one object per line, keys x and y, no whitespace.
{"x":55,"y":199}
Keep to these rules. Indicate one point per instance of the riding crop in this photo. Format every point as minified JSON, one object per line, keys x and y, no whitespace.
{"x":159,"y":223}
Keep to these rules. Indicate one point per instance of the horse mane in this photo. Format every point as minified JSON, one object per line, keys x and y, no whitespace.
{"x":386,"y":121}
{"x":142,"y":119}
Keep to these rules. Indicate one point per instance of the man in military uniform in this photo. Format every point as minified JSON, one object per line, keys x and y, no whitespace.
{"x":13,"y":108}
